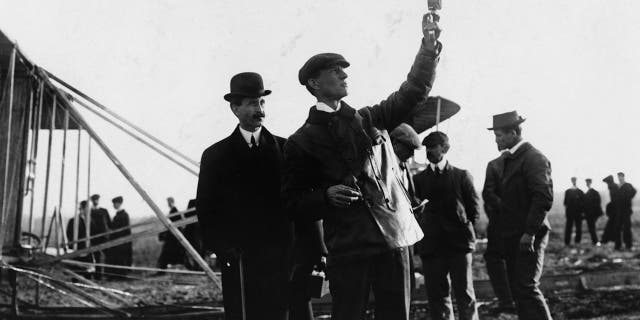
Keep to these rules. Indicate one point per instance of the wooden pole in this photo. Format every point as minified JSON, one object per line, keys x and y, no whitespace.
{"x":87,"y":208}
{"x":76,"y":212}
{"x":438,"y":108}
{"x":3,"y":215}
{"x":115,"y":115}
{"x":133,"y":135}
{"x":61,"y":192}
{"x":48,"y":172}
{"x":33,"y":162}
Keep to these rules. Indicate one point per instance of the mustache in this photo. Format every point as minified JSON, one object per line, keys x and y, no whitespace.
{"x":259,"y":115}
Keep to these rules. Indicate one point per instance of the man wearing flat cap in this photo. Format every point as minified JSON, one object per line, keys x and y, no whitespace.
{"x":525,"y":196}
{"x":240,"y":211}
{"x":448,"y":221}
{"x":340,"y":167}
{"x":120,"y":255}
{"x":100,"y":222}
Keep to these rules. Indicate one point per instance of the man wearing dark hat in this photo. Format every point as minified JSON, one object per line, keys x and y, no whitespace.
{"x":525,"y":196}
{"x":81,"y":235}
{"x":592,"y":210}
{"x":121,"y":255}
{"x":494,"y":255}
{"x":612,"y":210}
{"x":340,"y":167}
{"x":574,"y":212}
{"x":100,"y":222}
{"x":625,"y":196}
{"x":240,"y":211}
{"x":449,"y":236}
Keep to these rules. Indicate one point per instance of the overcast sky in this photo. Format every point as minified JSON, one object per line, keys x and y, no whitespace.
{"x":570,"y":67}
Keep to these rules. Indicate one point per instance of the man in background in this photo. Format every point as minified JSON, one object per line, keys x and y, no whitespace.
{"x":592,"y":210}
{"x":100,"y":222}
{"x":625,"y":210}
{"x":525,"y":196}
{"x":574,"y":211}
{"x":449,"y":236}
{"x":122,"y":254}
{"x":172,"y":251}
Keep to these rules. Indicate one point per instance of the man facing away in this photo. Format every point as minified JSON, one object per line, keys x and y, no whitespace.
{"x":592,"y":210}
{"x":525,"y":196}
{"x":239,"y":207}
{"x":449,"y":235}
{"x":574,"y":209}
{"x":625,"y":210}
{"x":340,"y":167}
{"x":172,"y":251}
{"x":122,"y":254}
{"x":494,"y":254}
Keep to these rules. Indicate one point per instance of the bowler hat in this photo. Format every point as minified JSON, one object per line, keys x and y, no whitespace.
{"x":117,"y":199}
{"x":507,"y":119}
{"x":320,"y":62}
{"x":246,"y":85}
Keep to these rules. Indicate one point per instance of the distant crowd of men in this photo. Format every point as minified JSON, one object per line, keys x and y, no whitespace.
{"x":588,"y":207}
{"x":338,"y":196}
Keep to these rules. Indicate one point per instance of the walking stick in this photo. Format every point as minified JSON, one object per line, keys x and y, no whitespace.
{"x":242,"y":294}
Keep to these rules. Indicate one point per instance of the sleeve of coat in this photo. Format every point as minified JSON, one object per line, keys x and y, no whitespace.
{"x":489,"y":195}
{"x":208,"y":200}
{"x":540,"y":186}
{"x":390,"y":112}
{"x":470,"y":197}
{"x":303,"y":194}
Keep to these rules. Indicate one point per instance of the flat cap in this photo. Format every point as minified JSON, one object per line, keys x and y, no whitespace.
{"x":95,"y":197}
{"x":435,"y":138}
{"x":320,"y":62}
{"x":117,"y":199}
{"x":405,"y":134}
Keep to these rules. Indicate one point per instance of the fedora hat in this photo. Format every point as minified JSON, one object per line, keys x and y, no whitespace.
{"x":507,"y":119}
{"x":246,"y":85}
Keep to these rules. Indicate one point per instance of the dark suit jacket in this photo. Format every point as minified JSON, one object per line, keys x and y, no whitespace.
{"x":100,"y":222}
{"x":123,"y":252}
{"x":592,"y":204}
{"x":82,"y":232}
{"x":448,"y":218}
{"x":238,"y":198}
{"x":625,"y":195}
{"x":574,"y":201}
{"x":490,"y":191}
{"x":526,"y":192}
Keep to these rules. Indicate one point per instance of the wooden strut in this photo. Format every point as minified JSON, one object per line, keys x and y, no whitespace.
{"x":87,"y":210}
{"x":91,"y":283}
{"x":48,"y":170}
{"x":133,"y":135}
{"x":3,"y":214}
{"x":76,"y":211}
{"x":131,"y":226}
{"x":34,"y":152}
{"x":144,"y":269}
{"x":116,"y":242}
{"x":115,"y":115}
{"x":61,"y":191}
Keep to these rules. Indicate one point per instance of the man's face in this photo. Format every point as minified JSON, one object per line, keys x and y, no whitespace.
{"x":621,"y":179}
{"x":250,"y":113}
{"x":573,"y":181}
{"x":403,"y":151}
{"x":117,"y":205}
{"x":331,"y":83}
{"x":505,"y":139}
{"x":588,"y":183}
{"x":435,"y":154}
{"x":95,"y":202}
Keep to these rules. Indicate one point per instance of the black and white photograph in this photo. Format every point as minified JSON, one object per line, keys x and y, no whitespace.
{"x":302,"y":160}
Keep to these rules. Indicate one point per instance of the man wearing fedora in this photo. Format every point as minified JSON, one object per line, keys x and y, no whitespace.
{"x":340,"y":166}
{"x":525,"y":196}
{"x":240,"y":211}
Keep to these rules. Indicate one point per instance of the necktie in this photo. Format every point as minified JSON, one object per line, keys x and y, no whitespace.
{"x":436,"y":170}
{"x":253,"y":143}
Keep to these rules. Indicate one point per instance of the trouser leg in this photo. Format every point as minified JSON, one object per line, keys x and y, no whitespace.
{"x":591,"y":225}
{"x":627,"y":235}
{"x":231,"y":294}
{"x":436,"y":280}
{"x":568,"y":229}
{"x":497,"y":269}
{"x":460,"y":266}
{"x":350,"y":286}
{"x":524,"y":269}
{"x":391,"y":285}
{"x":578,"y":221}
{"x":300,"y":301}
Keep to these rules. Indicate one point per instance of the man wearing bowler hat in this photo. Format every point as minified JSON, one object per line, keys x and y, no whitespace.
{"x":239,"y":208}
{"x":525,"y":196}
{"x":340,"y":167}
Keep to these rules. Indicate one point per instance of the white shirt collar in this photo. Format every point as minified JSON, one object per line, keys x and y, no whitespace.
{"x":247,"y":135}
{"x":321,"y":106}
{"x":517,"y":146}
{"x":441,"y":165}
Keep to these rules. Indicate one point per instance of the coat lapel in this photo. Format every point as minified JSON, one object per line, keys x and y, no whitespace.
{"x":513,"y":162}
